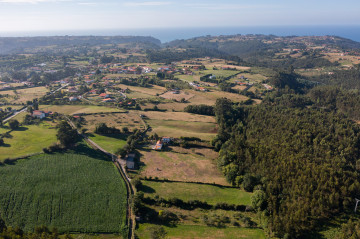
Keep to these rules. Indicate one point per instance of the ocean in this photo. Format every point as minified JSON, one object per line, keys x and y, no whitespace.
{"x":169,"y":34}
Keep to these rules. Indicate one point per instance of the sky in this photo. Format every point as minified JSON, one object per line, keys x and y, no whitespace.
{"x":46,"y":15}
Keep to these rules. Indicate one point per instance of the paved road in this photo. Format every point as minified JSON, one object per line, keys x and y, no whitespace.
{"x":15,"y":114}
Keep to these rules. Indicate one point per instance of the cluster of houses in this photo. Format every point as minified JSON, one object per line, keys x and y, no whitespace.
{"x":198,"y":87}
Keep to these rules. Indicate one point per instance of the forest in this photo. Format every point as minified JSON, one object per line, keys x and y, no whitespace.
{"x":301,"y":159}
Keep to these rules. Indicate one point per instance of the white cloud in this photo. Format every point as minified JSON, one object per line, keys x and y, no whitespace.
{"x":87,"y":3}
{"x":31,"y":1}
{"x":137,"y":4}
{"x":228,"y":6}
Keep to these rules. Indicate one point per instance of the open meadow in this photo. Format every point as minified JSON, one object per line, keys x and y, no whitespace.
{"x":152,"y":91}
{"x":131,"y":120}
{"x":198,"y":232}
{"x":181,"y":124}
{"x":110,"y":143}
{"x":75,"y":191}
{"x":28,"y":139}
{"x":189,"y":165}
{"x":179,"y":128}
{"x":190,"y":191}
{"x":24,"y":95}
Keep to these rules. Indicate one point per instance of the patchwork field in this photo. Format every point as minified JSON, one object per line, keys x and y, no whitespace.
{"x":198,"y":232}
{"x":75,"y":192}
{"x":189,"y":165}
{"x":23,"y":95}
{"x":77,"y":109}
{"x":28,"y":140}
{"x":190,"y":191}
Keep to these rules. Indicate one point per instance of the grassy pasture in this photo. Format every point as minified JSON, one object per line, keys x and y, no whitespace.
{"x":209,"y":98}
{"x":76,"y":109}
{"x":198,"y":232}
{"x":75,"y":191}
{"x":182,"y":165}
{"x":156,"y":115}
{"x":27,"y":140}
{"x":189,"y":191}
{"x":24,"y":95}
{"x":109,"y":143}
{"x":178,"y":128}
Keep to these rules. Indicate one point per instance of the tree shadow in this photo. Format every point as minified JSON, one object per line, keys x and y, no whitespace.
{"x":147,"y":189}
{"x":21,"y":128}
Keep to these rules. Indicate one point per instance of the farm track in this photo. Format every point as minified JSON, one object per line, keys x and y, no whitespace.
{"x":130,"y":192}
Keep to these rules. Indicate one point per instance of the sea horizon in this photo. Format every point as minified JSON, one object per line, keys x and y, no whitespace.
{"x":169,"y":34}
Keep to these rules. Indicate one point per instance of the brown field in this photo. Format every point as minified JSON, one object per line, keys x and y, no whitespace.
{"x":239,"y":87}
{"x":150,"y":91}
{"x":24,"y":95}
{"x":209,"y":98}
{"x":131,"y":120}
{"x":189,"y":165}
{"x":176,"y":106}
{"x":342,"y":59}
{"x":183,"y":94}
{"x":77,"y":109}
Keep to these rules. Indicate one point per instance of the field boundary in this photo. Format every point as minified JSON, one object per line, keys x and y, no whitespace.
{"x":189,"y":182}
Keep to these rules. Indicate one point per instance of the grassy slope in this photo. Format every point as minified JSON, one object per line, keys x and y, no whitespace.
{"x":174,"y":128}
{"x":189,"y":191}
{"x":71,"y":191}
{"x":40,"y":136}
{"x":110,"y":144}
{"x":190,"y":231}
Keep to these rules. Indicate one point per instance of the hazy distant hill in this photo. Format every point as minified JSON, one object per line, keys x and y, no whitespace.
{"x":17,"y":44}
{"x":248,"y":45}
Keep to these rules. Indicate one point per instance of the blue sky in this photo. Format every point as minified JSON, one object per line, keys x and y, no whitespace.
{"x":44,"y":15}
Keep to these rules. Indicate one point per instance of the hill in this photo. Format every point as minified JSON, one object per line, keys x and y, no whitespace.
{"x":18,"y":44}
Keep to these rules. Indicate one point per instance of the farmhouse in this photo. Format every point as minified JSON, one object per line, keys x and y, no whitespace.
{"x":38,"y":114}
{"x":108,"y":100}
{"x":73,"y":98}
{"x":104,"y":95}
{"x":158,"y":145}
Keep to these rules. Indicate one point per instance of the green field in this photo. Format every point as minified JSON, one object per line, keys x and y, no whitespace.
{"x":176,"y":128}
{"x":28,"y":140}
{"x":110,"y":144}
{"x":191,"y":191}
{"x":192,"y":231}
{"x":75,"y":192}
{"x":76,"y":109}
